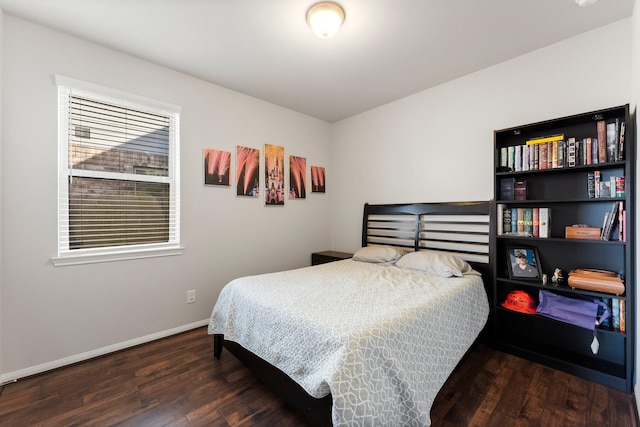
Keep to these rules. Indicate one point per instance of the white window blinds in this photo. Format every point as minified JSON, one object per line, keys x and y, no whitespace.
{"x":118,"y":180}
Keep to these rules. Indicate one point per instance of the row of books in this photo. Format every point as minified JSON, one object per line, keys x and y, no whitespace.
{"x":617,"y":308}
{"x":556,"y":151}
{"x":599,"y":187}
{"x":616,"y":215}
{"x":526,"y":222}
{"x":513,"y":189}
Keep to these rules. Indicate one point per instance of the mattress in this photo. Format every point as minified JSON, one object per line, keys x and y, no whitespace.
{"x":382,"y":340}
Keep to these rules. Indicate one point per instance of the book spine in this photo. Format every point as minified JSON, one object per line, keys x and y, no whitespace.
{"x":528,"y":221}
{"x":525,"y":158}
{"x":612,"y":186}
{"x":620,"y":182}
{"x":562,"y":154}
{"x":571,"y":152}
{"x":517,"y":163}
{"x":596,"y":185}
{"x":588,"y":151}
{"x":607,"y":322}
{"x":514,"y":220}
{"x":511,"y":152}
{"x":602,"y":141}
{"x":504,"y":152}
{"x":621,"y":140}
{"x":623,"y":321}
{"x":545,"y":218}
{"x":612,"y":141}
{"x":543,"y":154}
{"x":506,"y":220}
{"x":615,"y":313}
{"x":500,"y":223}
{"x":536,"y":222}
{"x":520,"y":220}
{"x":591,"y":185}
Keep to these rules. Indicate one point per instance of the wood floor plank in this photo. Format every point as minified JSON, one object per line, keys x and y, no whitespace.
{"x":176,"y":382}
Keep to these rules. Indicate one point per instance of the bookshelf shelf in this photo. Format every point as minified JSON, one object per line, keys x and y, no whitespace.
{"x":564,"y":184}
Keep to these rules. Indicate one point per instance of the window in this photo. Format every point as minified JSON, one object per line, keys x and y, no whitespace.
{"x":118,"y":180}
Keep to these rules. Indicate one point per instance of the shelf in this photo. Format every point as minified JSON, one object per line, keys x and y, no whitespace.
{"x":565,"y":192}
{"x":581,"y":168}
{"x":561,"y":240}
{"x":560,"y":289}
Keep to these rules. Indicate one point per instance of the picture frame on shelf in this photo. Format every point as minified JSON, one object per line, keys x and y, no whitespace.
{"x":524,"y":263}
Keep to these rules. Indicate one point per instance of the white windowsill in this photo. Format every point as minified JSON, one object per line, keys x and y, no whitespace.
{"x":90,"y":258}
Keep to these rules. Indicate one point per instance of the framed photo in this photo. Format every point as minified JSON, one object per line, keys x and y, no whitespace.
{"x":524,"y":263}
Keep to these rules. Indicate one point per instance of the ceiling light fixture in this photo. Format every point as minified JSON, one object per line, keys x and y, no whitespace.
{"x":325,"y":19}
{"x":585,"y":3}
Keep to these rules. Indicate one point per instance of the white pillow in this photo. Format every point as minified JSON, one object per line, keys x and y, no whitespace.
{"x":435,"y":263}
{"x":379,"y":254}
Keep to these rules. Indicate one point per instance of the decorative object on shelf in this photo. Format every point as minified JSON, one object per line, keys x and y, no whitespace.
{"x":524,"y":263}
{"x":520,"y":301}
{"x":596,"y":280}
{"x":325,"y":19}
{"x":582,"y":231}
{"x":558,"y":277}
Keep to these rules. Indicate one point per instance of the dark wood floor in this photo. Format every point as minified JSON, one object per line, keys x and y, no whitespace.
{"x":176,"y":382}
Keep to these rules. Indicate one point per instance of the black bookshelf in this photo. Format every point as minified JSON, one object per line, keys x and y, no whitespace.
{"x":563,"y":188}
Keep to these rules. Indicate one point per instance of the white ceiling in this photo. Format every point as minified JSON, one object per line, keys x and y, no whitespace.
{"x":386,"y":49}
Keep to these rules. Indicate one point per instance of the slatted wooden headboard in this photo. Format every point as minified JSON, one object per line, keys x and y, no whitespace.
{"x":461,"y":228}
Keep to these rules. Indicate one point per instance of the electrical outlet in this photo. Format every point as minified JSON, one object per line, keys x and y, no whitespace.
{"x":191,"y":296}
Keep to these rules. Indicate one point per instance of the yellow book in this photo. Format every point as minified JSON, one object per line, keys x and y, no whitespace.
{"x":545,"y":139}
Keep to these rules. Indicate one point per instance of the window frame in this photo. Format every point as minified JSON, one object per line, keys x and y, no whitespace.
{"x":66,"y":256}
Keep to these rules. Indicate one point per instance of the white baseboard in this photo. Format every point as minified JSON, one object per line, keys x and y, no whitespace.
{"x":38,"y":369}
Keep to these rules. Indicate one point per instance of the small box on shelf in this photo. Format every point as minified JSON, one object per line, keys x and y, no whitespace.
{"x":582,"y":232}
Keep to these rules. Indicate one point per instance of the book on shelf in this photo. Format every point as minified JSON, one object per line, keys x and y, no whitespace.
{"x":510,"y":156}
{"x":520,"y":189}
{"x":545,"y":139}
{"x":507,"y":188}
{"x":621,"y":140}
{"x":571,"y":152}
{"x":536,"y":222}
{"x":591,"y":185}
{"x":520,"y":222}
{"x":542,"y":156}
{"x":615,"y":313}
{"x":504,"y":152}
{"x":597,"y":176}
{"x":602,"y":141}
{"x":622,"y":226}
{"x":610,"y":221}
{"x":528,"y":221}
{"x":588,"y":151}
{"x":612,"y":140}
{"x":622,"y":313}
{"x":517,"y":161}
{"x":544,"y":215}
{"x":619,"y":185}
{"x":514,"y":220}
{"x":525,"y":158}
{"x":554,"y":154}
{"x":550,"y":155}
{"x":504,"y":219}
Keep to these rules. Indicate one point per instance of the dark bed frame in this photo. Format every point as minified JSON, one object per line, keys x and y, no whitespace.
{"x":462,"y":228}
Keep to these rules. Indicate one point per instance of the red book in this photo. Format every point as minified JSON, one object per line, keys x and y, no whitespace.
{"x":536,"y":222}
{"x":602,"y":141}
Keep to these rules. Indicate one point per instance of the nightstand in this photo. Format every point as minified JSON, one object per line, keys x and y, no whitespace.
{"x":328,"y":256}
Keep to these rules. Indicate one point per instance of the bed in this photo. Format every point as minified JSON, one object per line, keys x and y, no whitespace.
{"x":372,"y":339}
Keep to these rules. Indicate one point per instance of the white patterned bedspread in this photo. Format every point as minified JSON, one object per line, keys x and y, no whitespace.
{"x":380,"y":339}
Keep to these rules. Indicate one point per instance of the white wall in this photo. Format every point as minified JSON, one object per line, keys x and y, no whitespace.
{"x":436,"y":145}
{"x":1,"y":185}
{"x":52,"y":314}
